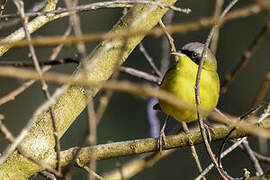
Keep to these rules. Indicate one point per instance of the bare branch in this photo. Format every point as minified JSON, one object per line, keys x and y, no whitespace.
{"x":223,"y":174}
{"x":150,"y":60}
{"x":118,"y":149}
{"x":214,"y":42}
{"x":140,"y":74}
{"x":31,"y":27}
{"x":36,"y":7}
{"x":11,"y":96}
{"x":226,"y":152}
{"x":177,"y":28}
{"x":246,"y":56}
{"x":263,"y":89}
{"x":90,"y":171}
{"x":253,"y":158}
{"x":98,"y":5}
{"x":135,"y":166}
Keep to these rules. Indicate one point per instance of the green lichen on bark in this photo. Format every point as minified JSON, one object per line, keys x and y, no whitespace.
{"x":71,"y":101}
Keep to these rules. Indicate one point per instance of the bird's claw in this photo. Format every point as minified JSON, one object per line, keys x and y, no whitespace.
{"x":162,"y":137}
{"x":161,"y":140}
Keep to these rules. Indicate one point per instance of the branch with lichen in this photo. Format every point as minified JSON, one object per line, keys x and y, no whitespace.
{"x":139,"y":146}
{"x":118,"y":149}
{"x":70,"y":101}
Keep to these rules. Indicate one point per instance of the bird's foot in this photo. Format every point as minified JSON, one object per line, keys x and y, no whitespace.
{"x":162,"y":137}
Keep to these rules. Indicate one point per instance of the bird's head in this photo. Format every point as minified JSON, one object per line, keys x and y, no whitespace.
{"x":194,"y":51}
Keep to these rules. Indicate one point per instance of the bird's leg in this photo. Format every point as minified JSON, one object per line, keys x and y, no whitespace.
{"x":162,"y":137}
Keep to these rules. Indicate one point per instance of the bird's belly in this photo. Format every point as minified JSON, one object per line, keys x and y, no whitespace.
{"x":185,"y":91}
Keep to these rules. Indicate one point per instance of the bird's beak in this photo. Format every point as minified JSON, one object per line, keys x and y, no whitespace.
{"x":178,"y":53}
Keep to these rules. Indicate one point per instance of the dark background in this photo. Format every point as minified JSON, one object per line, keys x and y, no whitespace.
{"x":126,"y":118}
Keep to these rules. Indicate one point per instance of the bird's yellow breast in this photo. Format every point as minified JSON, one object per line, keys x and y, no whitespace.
{"x":180,"y":81}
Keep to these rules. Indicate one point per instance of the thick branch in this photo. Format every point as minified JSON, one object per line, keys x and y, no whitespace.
{"x":70,"y":101}
{"x":112,"y":150}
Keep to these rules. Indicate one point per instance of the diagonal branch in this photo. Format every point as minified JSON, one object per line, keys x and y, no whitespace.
{"x":70,"y":101}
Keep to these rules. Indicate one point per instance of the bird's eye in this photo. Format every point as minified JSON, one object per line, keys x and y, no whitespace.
{"x":194,"y":55}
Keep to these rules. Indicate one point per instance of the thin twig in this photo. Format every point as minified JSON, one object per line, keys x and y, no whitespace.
{"x":177,"y":28}
{"x":103,"y":102}
{"x":2,"y":7}
{"x":262,"y":157}
{"x":244,"y":116}
{"x":246,"y":56}
{"x":98,"y":5}
{"x":226,"y":152}
{"x":169,"y":37}
{"x":150,"y":60}
{"x":140,"y":74}
{"x":36,"y":7}
{"x":20,"y":7}
{"x":260,"y":95}
{"x":7,"y":134}
{"x":32,"y":26}
{"x":193,"y":150}
{"x":90,"y":171}
{"x":165,"y":57}
{"x":41,"y":63}
{"x":76,"y":23}
{"x":253,"y":158}
{"x":11,"y":95}
{"x":92,"y":137}
{"x":214,"y":42}
{"x":263,"y":89}
{"x":133,"y":167}
{"x":265,"y":114}
{"x":92,"y":117}
{"x":92,"y":122}
{"x":223,"y":174}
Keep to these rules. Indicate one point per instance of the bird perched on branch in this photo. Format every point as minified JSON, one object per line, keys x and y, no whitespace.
{"x":180,"y":81}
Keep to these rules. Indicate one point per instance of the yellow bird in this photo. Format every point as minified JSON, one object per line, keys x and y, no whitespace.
{"x":180,"y":81}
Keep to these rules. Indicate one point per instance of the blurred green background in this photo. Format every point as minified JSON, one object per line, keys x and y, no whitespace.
{"x":125,"y":117}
